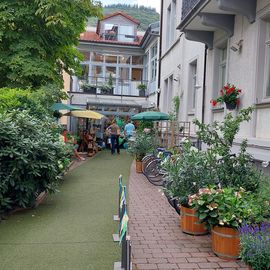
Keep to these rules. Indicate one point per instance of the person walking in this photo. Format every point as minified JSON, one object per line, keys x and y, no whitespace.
{"x":114,"y":134}
{"x":129,"y":129}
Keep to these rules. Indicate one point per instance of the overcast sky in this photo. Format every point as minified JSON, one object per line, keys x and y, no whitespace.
{"x":148,"y":3}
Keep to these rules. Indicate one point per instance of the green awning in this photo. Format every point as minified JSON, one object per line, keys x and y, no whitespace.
{"x":150,"y":116}
{"x":62,"y":106}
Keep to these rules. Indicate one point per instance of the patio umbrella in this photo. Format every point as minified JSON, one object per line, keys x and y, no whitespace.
{"x":150,"y":116}
{"x":86,"y":114}
{"x":62,"y":106}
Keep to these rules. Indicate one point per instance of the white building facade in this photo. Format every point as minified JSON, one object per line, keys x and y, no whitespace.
{"x":237,"y":37}
{"x":182,"y":66}
{"x":117,"y":61}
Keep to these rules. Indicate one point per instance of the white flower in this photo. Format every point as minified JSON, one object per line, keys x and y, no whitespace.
{"x":265,"y":164}
{"x":194,"y":183}
{"x":194,"y":149}
{"x":185,"y":140}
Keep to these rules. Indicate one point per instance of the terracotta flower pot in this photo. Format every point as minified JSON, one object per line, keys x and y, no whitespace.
{"x":138,"y":166}
{"x":225,"y":242}
{"x":189,"y":223}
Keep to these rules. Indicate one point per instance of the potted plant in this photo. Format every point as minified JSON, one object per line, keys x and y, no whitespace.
{"x":143,"y":144}
{"x":229,"y":96}
{"x":255,"y":245}
{"x":186,"y":174}
{"x":89,"y":88}
{"x":142,"y":88}
{"x":224,"y":210}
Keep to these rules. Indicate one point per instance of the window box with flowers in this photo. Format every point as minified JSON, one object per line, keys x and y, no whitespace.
{"x":229,"y":95}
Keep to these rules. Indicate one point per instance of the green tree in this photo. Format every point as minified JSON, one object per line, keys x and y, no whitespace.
{"x":38,"y":39}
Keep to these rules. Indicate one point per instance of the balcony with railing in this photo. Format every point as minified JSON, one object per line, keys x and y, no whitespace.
{"x":110,"y":86}
{"x":188,"y":6}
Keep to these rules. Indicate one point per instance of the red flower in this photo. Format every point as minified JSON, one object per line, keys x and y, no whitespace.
{"x":213,"y":102}
{"x":239,"y":91}
{"x":231,"y":90}
{"x":226,"y":87}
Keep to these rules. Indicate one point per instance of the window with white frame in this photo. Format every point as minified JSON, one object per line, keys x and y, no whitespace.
{"x":267,"y":61}
{"x":222,"y":67}
{"x":168,"y":27}
{"x":173,"y":21}
{"x":193,"y":83}
{"x":154,"y":62}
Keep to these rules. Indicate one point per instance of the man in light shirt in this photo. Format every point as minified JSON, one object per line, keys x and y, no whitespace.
{"x":129,"y":130}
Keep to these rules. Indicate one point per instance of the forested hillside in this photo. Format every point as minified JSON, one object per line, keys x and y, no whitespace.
{"x":145,"y":15}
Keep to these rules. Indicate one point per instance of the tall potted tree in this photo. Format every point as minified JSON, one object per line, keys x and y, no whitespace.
{"x":143,"y":144}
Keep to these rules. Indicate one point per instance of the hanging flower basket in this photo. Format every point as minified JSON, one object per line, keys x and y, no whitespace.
{"x":229,"y":96}
{"x":231,"y":106}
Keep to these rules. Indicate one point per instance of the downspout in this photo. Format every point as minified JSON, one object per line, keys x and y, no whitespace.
{"x":160,"y":52}
{"x":204,"y":83}
{"x":199,"y":143}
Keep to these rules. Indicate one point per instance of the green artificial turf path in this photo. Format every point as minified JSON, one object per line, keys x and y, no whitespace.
{"x":72,"y":229}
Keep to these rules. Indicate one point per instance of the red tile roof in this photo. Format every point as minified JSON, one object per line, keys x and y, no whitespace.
{"x":121,"y":14}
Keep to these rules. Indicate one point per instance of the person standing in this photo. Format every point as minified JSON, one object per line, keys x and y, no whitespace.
{"x":114,"y":132}
{"x":129,"y":129}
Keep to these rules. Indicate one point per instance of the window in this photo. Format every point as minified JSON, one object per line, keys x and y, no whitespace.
{"x":96,"y":57}
{"x":193,"y":83}
{"x":124,"y":59}
{"x":222,"y":67}
{"x":146,"y":66}
{"x":267,"y":61}
{"x":171,"y":24}
{"x":85,"y":71}
{"x":154,"y":62}
{"x":168,"y":27}
{"x":137,"y":60}
{"x":111,"y":59}
{"x":173,"y":21}
{"x":126,"y":33}
{"x":86,"y":55}
{"x":97,"y":71}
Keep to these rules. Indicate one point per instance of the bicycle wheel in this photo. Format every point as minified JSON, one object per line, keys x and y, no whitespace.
{"x":146,"y":160}
{"x":151,"y":169}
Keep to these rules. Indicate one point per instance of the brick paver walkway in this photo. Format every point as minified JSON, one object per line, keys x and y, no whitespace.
{"x":157,"y":239}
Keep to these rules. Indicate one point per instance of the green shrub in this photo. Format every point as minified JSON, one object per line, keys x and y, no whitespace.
{"x":230,"y":170}
{"x":32,"y":156}
{"x":188,"y":172}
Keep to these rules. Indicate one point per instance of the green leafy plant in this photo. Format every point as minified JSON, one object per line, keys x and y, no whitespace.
{"x":188,"y":172}
{"x":143,"y":144}
{"x":37,"y":55}
{"x":176,"y":106}
{"x":230,"y":170}
{"x":32,"y":156}
{"x":255,"y":245}
{"x":142,"y":87}
{"x":226,"y":207}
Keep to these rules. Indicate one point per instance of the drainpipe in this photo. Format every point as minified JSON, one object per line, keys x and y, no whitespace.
{"x":199,"y":143}
{"x":204,"y":82}
{"x":160,"y":52}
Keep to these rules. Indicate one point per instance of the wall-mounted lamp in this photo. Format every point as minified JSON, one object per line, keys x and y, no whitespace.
{"x":237,"y":47}
{"x":158,"y":91}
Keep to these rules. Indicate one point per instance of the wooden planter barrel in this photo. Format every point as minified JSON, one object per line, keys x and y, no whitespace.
{"x":190,"y":224}
{"x":225,"y":242}
{"x":138,"y":166}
